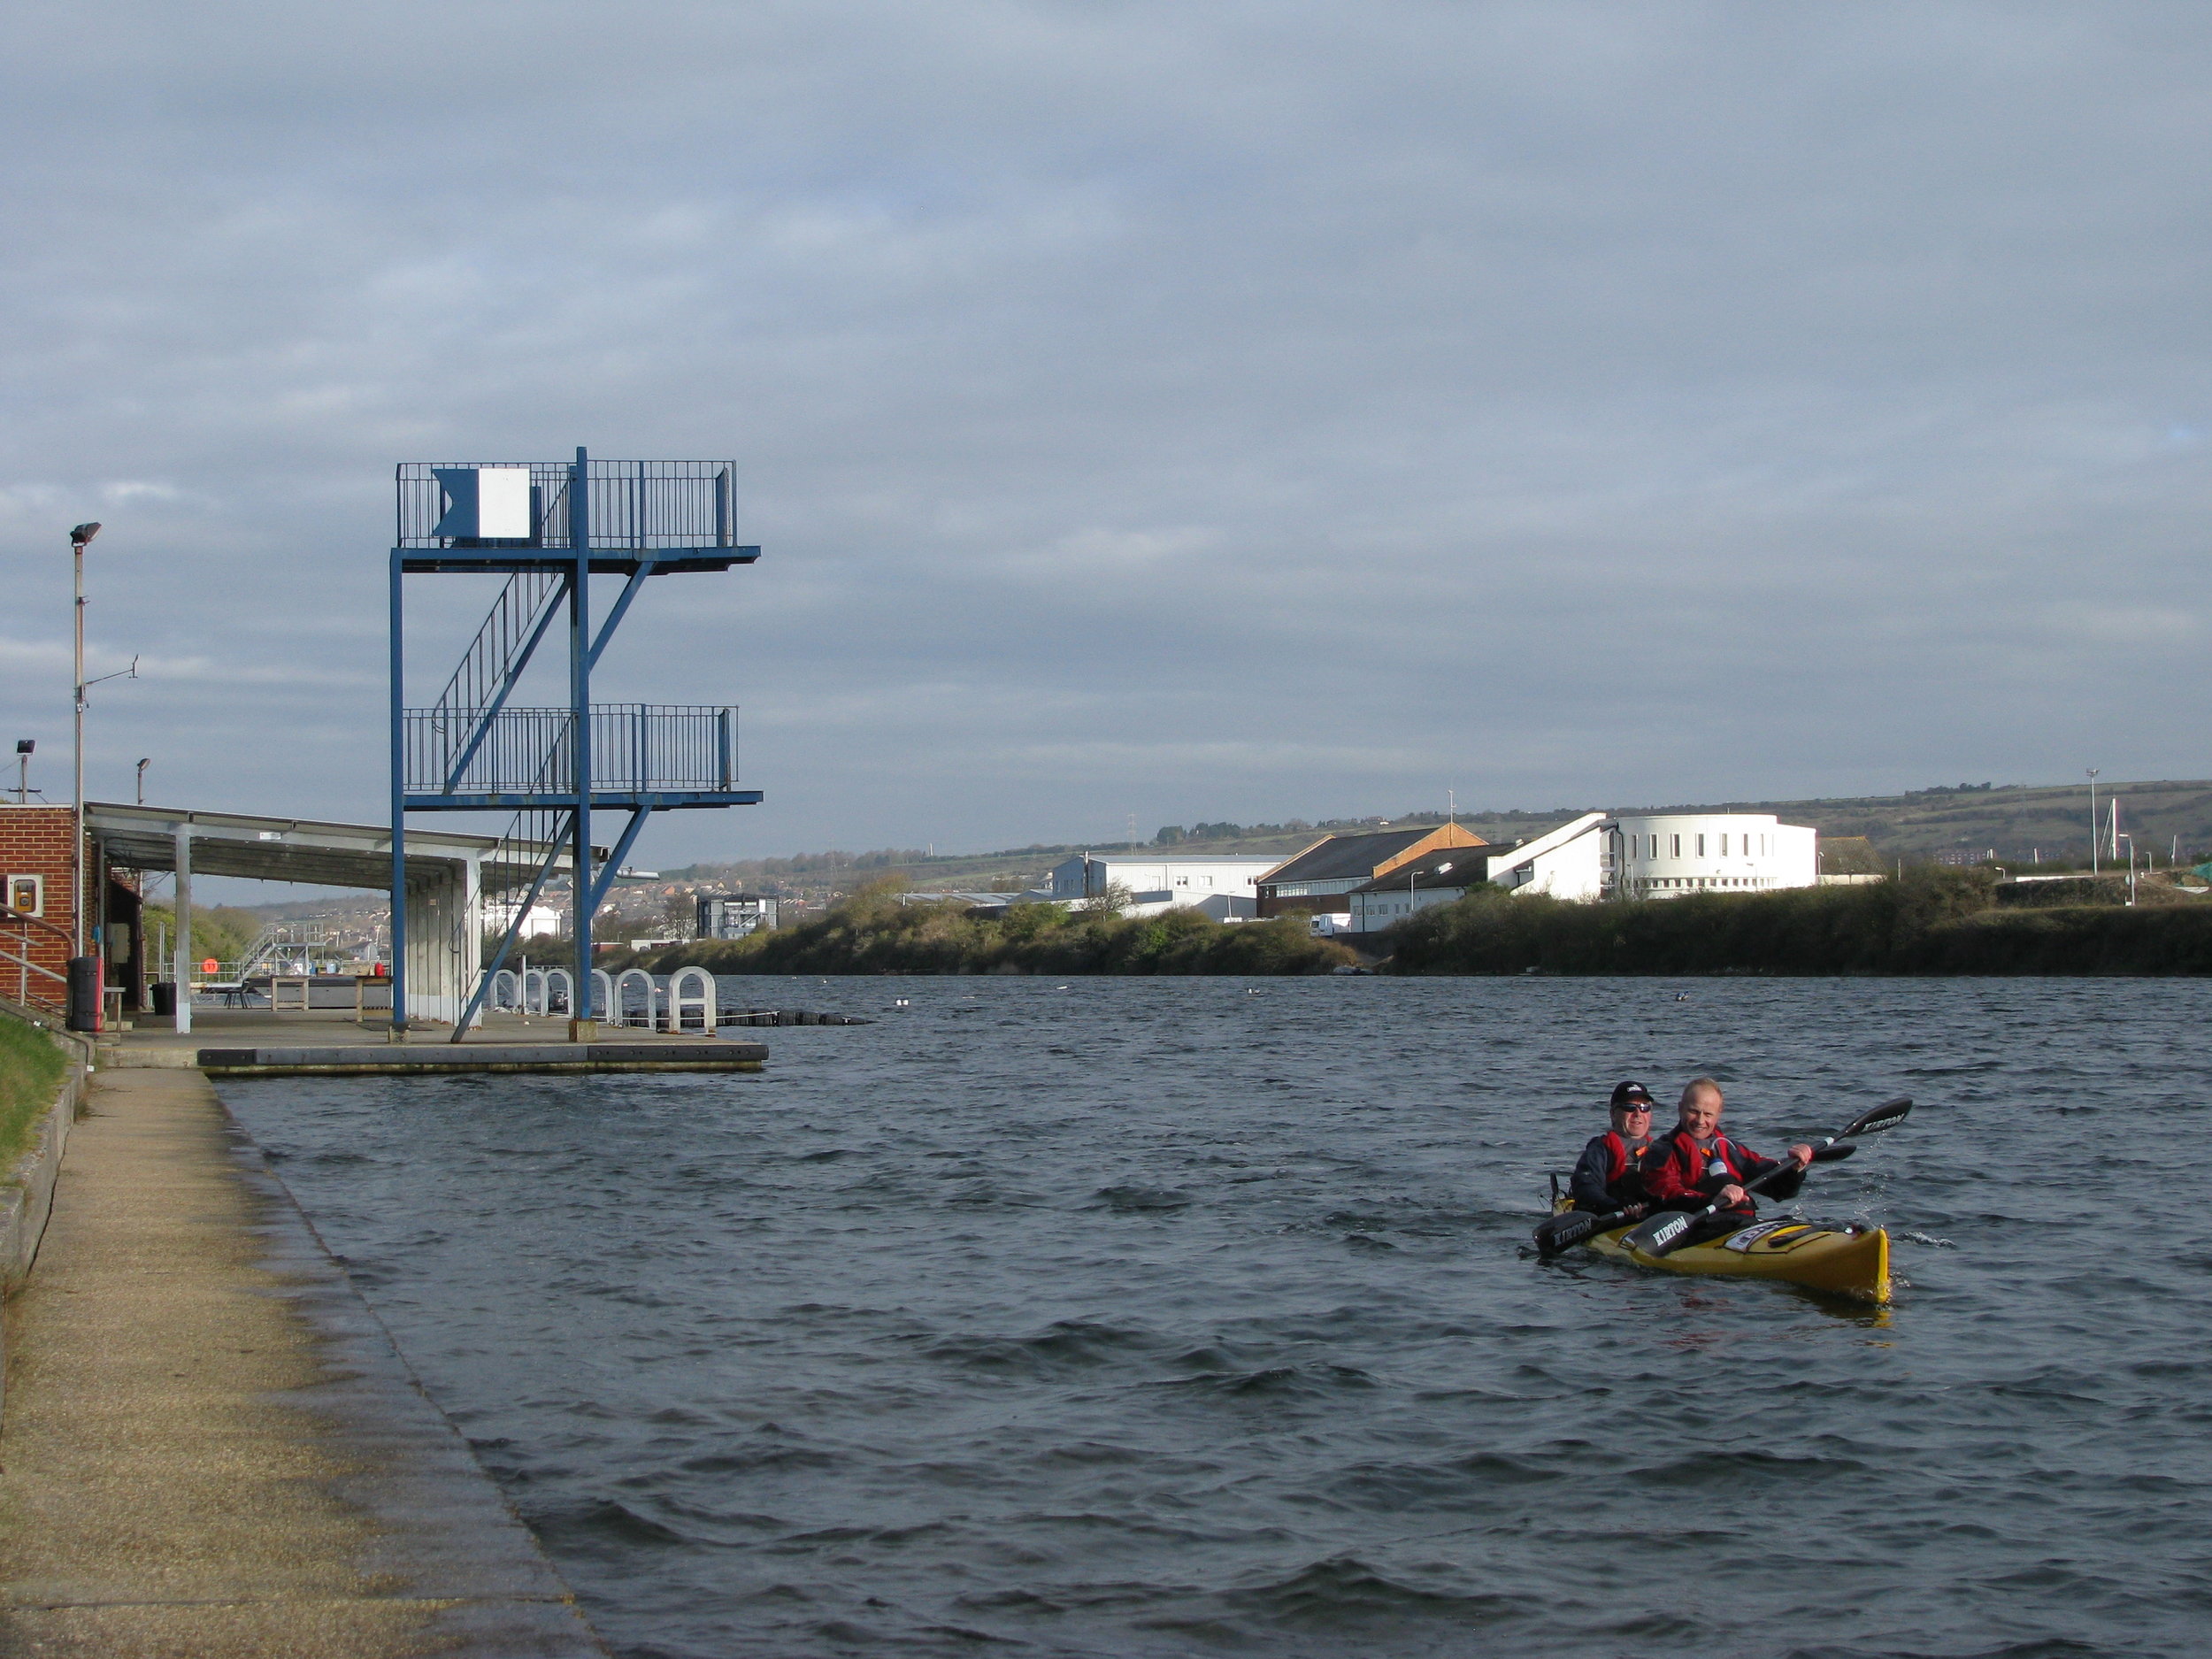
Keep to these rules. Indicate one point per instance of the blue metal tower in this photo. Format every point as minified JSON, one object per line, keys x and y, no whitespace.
{"x":549,"y":527}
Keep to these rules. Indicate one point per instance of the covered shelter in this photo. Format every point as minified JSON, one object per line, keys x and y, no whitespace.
{"x":447,"y":875}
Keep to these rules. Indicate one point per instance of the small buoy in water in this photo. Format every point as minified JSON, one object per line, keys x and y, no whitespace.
{"x":1682,"y":996}
{"x":1059,"y":987}
{"x":898,"y":1001}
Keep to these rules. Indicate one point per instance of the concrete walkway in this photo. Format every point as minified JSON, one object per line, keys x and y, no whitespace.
{"x":211,"y":1446}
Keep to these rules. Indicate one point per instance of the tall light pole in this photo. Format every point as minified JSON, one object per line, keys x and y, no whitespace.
{"x":24,"y":745}
{"x":77,"y":539}
{"x":2093,"y":822}
{"x":142,"y":778}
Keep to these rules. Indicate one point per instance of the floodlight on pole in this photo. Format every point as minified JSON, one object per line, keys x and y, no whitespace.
{"x":24,"y":745}
{"x":79,"y":537}
{"x":142,"y":778}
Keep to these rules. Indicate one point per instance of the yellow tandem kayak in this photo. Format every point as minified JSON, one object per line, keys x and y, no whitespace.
{"x":1852,"y":1262}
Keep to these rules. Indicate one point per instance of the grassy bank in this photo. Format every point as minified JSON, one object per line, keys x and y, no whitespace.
{"x":874,"y":932}
{"x":1931,"y":922}
{"x":31,"y":1069}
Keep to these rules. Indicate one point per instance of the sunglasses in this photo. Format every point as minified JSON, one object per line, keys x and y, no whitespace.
{"x":1633,"y":1106}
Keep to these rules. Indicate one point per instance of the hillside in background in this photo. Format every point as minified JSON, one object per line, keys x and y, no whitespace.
{"x":2015,"y":822}
{"x":2019,"y":824}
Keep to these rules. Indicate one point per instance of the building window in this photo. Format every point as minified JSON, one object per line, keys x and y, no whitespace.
{"x":1701,"y":846}
{"x":1723,"y":844}
{"x":1676,"y":845}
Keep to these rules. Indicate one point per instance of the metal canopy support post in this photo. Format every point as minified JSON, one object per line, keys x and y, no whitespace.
{"x":399,"y":817}
{"x":184,"y":926}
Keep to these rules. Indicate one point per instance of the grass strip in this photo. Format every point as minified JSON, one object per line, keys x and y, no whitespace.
{"x":32,"y":1066}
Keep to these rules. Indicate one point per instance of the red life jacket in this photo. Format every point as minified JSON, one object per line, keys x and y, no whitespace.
{"x":1617,"y":1156}
{"x":1698,"y":1166}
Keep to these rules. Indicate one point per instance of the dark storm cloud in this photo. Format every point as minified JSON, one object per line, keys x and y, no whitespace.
{"x":1192,"y":411}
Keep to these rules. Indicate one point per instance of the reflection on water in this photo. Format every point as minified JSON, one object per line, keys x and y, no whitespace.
{"x":1154,"y":1318}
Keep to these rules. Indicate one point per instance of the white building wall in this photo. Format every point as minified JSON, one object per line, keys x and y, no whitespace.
{"x":1665,"y":856}
{"x":545,"y":921}
{"x":1371,"y":912}
{"x":1567,"y":863}
{"x":1157,"y":884}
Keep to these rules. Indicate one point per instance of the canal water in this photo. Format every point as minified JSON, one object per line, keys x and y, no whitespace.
{"x":1173,"y":1316}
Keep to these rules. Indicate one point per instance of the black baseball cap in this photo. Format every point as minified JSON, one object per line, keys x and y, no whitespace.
{"x":1632,"y":1095}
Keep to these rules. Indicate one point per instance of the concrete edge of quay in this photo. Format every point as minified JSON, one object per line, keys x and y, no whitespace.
{"x":433,"y":1504}
{"x":143,"y":1446}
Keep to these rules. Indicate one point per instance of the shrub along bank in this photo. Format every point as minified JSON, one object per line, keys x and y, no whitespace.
{"x":873,"y":932}
{"x":1928,"y":922}
{"x":32,"y":1066}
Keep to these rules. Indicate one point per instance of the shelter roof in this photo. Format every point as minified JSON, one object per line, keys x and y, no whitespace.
{"x":294,"y":849}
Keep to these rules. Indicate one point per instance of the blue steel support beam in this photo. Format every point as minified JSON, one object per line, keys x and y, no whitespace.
{"x":506,"y":688}
{"x":399,"y":819}
{"x":507,"y":939}
{"x":613,"y":866}
{"x":580,"y":704}
{"x":629,"y":592}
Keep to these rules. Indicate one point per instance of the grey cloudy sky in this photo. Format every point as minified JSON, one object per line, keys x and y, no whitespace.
{"x":1185,"y":410}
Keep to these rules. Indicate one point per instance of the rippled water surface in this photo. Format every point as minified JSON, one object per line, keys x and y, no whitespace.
{"x":1185,"y":1317}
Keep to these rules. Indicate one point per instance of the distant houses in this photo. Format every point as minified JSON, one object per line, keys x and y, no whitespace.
{"x":1363,"y":883}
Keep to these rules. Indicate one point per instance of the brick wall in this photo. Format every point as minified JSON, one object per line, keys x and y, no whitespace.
{"x":34,"y":841}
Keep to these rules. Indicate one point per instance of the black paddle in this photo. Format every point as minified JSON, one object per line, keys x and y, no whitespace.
{"x":1665,"y":1234}
{"x":1563,"y":1232}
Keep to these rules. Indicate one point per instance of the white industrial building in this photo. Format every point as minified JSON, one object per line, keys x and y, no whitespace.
{"x":1666,"y":856}
{"x":540,"y":921}
{"x":1594,"y":856}
{"x":1567,"y":863}
{"x":1223,"y":887}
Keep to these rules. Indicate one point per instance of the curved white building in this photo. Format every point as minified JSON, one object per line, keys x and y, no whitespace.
{"x":1665,"y":857}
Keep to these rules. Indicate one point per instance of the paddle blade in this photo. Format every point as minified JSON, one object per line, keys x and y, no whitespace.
{"x":1833,"y":1154}
{"x":1556,"y":1234}
{"x":1664,"y":1232}
{"x":1888,"y":1115}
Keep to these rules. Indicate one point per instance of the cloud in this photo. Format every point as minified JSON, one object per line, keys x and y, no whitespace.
{"x":1231,"y":411}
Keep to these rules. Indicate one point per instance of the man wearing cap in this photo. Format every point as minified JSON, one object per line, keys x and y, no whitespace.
{"x":1609,"y":1175}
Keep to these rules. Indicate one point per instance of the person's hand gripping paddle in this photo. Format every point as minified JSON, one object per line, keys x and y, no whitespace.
{"x":1664,"y":1234}
{"x":1563,"y":1232}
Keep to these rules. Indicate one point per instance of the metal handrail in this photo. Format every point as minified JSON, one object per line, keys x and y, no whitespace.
{"x":25,"y":967}
{"x":636,"y":506}
{"x":637,"y":746}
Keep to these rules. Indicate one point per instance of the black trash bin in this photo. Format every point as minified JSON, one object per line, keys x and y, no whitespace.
{"x":84,"y":993}
{"x":164,"y":998}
